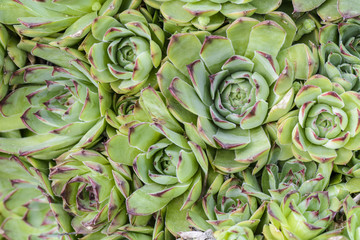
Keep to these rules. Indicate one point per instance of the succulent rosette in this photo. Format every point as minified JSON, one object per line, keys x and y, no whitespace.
{"x":224,"y":205}
{"x":127,"y":111}
{"x":326,"y":125}
{"x":225,"y":88}
{"x":51,"y":108}
{"x":301,"y":216}
{"x":328,"y":10}
{"x":129,"y":51}
{"x":171,"y":167}
{"x":93,"y":190}
{"x":339,"y":66}
{"x":61,"y":22}
{"x":352,"y":212}
{"x":28,"y":209}
{"x":208,"y":14}
{"x":279,"y":179}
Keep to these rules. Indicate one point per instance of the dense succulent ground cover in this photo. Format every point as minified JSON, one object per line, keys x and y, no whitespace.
{"x":180,"y":119}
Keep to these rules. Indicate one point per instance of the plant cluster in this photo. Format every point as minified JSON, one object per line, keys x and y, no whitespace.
{"x":179,"y":119}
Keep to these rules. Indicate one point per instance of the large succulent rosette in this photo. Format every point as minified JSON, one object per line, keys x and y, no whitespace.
{"x":301,"y":216}
{"x":224,"y":89}
{"x":224,"y":205}
{"x":51,"y":108}
{"x":61,"y":22}
{"x":283,"y":177}
{"x":129,"y":51}
{"x":28,"y":208}
{"x":326,"y":126}
{"x":209,"y":14}
{"x":93,"y":190}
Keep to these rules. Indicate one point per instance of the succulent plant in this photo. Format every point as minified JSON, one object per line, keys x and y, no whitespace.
{"x":128,"y":51}
{"x":51,"y":108}
{"x":225,"y":204}
{"x":301,"y":216}
{"x":27,"y":209}
{"x":179,"y":119}
{"x":305,"y":177}
{"x":93,"y":190}
{"x":325,"y":126}
{"x":339,"y":57}
{"x":208,"y":14}
{"x":61,"y":22}
{"x":224,"y":89}
{"x":164,"y":160}
{"x":328,"y":10}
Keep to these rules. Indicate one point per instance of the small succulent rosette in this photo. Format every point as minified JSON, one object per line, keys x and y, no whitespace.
{"x":301,"y":216}
{"x":225,"y":88}
{"x":28,"y":209}
{"x":125,"y":51}
{"x":127,"y":111}
{"x":208,"y":15}
{"x":51,"y":108}
{"x":326,"y":10}
{"x":61,"y":23}
{"x":339,"y":55}
{"x":352,"y":212}
{"x":93,"y":189}
{"x":326,"y":125}
{"x":225,"y":204}
{"x":283,"y":177}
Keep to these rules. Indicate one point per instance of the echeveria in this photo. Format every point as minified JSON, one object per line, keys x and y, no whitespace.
{"x":226,"y":204}
{"x":326,"y":125}
{"x":129,"y":51}
{"x":60,"y":104}
{"x":225,"y":88}
{"x":301,"y":216}
{"x":62,"y":23}
{"x":209,"y":14}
